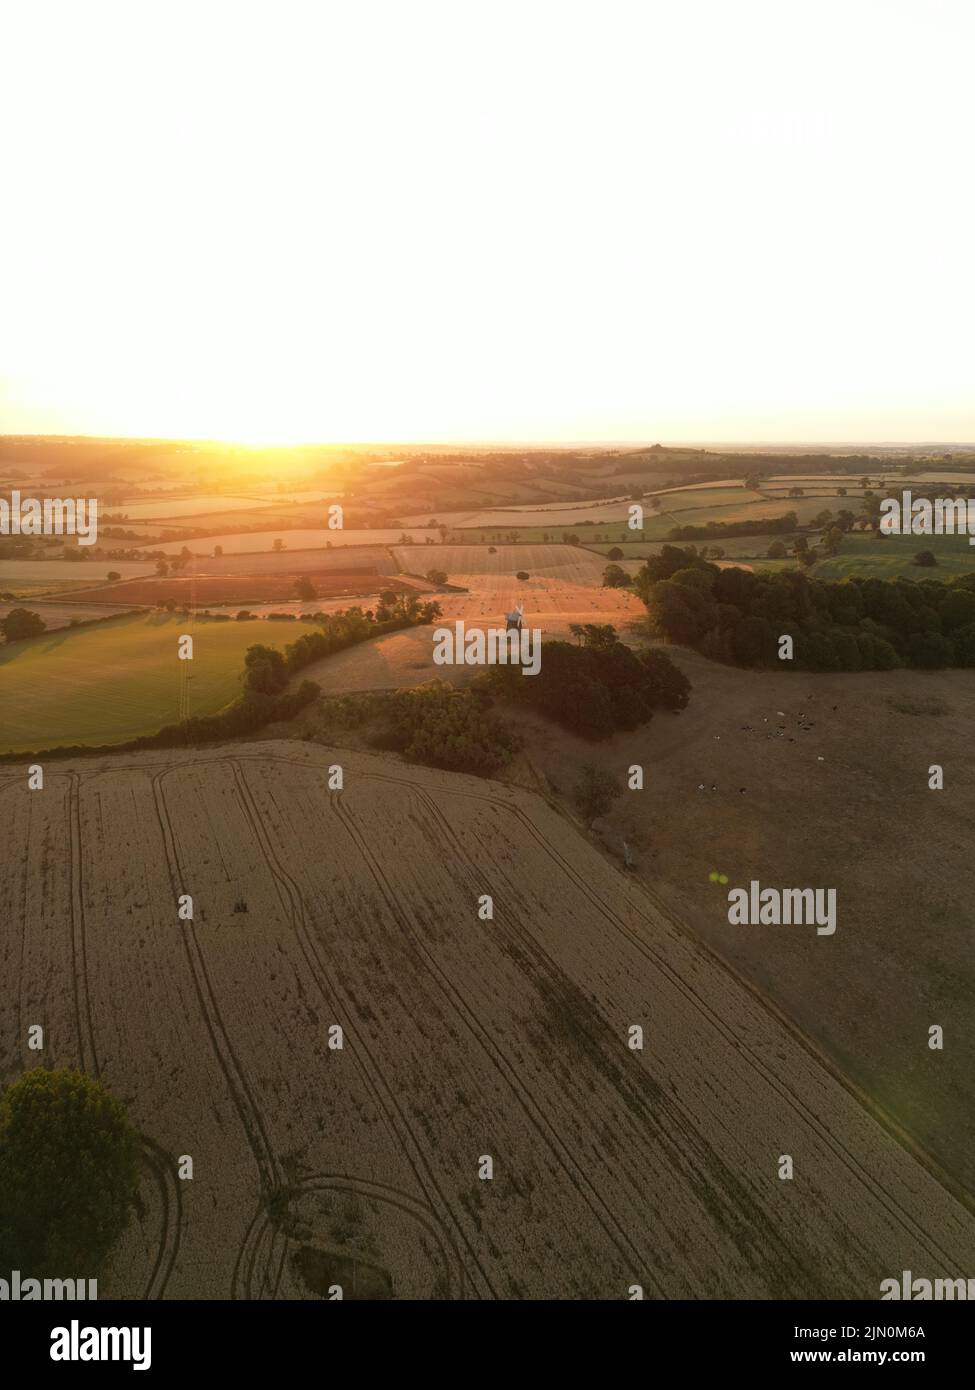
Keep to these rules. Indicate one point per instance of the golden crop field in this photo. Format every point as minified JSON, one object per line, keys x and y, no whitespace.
{"x":462,"y":1039}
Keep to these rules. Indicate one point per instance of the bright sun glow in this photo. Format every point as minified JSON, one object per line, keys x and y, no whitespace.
{"x":531,"y":220}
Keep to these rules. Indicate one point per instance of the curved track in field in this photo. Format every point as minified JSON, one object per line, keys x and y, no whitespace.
{"x":373,"y":1191}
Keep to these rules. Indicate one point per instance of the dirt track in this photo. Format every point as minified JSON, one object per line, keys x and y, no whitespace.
{"x":462,"y":1038}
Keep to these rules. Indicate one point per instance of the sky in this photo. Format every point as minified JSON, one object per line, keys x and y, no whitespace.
{"x":411,"y":220}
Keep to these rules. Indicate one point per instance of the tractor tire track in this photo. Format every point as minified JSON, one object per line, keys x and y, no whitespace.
{"x":152,"y":1156}
{"x":249,"y":1113}
{"x":171,"y":1205}
{"x":84,"y":1019}
{"x":844,"y":1156}
{"x":848,"y":1160}
{"x":549,"y":1136}
{"x":388,"y":1196}
{"x":292,"y":901}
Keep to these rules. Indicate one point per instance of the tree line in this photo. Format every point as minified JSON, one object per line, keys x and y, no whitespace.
{"x":854,"y":624}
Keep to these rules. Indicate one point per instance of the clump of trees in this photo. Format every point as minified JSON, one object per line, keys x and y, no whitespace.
{"x":853,"y":624}
{"x":597,"y":687}
{"x":762,"y":527}
{"x":20,"y":623}
{"x":447,"y":728}
{"x":615,"y":577}
{"x":69,"y":1173}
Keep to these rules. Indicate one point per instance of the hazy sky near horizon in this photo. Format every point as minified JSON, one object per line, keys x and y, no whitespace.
{"x":462,"y":219}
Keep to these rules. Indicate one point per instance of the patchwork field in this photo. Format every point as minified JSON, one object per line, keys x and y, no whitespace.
{"x":121,"y":679}
{"x":462,"y":1039}
{"x":568,"y":562}
{"x":57,"y":572}
{"x":370,"y":559}
{"x":197,"y":590}
{"x":57,"y":615}
{"x":569,"y":514}
{"x":307,"y":538}
{"x":190,"y":504}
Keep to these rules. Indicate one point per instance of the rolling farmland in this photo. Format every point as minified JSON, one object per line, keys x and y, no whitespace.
{"x":462,"y":1038}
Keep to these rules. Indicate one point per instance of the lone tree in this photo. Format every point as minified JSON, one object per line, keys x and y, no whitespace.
{"x":305,"y":589}
{"x":20,"y":623}
{"x":69,"y":1173}
{"x":615,"y":577}
{"x":436,"y":576}
{"x":924,"y":558}
{"x":595,"y":793}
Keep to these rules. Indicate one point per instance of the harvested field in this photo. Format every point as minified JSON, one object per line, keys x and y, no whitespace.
{"x":461,"y":1039}
{"x":550,"y":603}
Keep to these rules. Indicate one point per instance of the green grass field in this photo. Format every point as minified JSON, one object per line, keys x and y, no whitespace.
{"x":121,"y":679}
{"x":894,"y":557}
{"x":859,"y":554}
{"x":736,"y":547}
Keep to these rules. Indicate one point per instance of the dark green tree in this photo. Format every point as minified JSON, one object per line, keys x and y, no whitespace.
{"x":20,"y":623}
{"x":69,"y":1173}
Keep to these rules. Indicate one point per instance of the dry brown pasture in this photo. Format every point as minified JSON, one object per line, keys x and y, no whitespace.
{"x":462,"y":1038}
{"x":801,"y":780}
